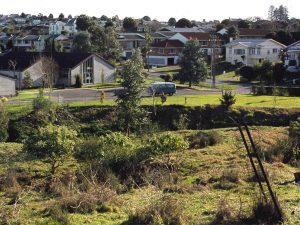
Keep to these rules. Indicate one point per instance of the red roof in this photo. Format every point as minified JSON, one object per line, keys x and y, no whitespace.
{"x":253,"y":32}
{"x":168,"y":44}
{"x":196,"y":35}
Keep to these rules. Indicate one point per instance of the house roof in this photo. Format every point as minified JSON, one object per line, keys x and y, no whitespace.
{"x":130,"y":36}
{"x":294,"y":46}
{"x":71,"y":22}
{"x":168,"y":44}
{"x":179,"y":30}
{"x":197,"y":36}
{"x":252,"y":42}
{"x":26,"y":59}
{"x":6,"y":76}
{"x":253,"y":32}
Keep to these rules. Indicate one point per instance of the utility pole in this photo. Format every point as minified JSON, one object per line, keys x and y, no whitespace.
{"x":213,"y":38}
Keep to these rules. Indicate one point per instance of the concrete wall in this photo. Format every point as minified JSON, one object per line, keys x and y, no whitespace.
{"x":7,"y":86}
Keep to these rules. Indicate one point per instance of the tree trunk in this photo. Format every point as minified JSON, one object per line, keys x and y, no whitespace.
{"x":190,"y":83}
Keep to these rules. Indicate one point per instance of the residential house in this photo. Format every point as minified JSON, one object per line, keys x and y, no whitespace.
{"x":165,"y":53}
{"x":4,"y":38}
{"x":293,"y":57}
{"x":7,"y":85}
{"x":59,"y":27}
{"x":33,"y":42}
{"x":252,"y":51}
{"x":65,"y":41}
{"x":180,"y":30}
{"x":91,"y":67}
{"x":130,"y":41}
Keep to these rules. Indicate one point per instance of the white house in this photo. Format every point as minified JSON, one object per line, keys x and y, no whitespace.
{"x":7,"y":85}
{"x":293,"y":53}
{"x":58,"y":27}
{"x":252,"y":51}
{"x":92,"y":68}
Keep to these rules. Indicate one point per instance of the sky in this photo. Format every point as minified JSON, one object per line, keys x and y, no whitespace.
{"x":161,"y":10}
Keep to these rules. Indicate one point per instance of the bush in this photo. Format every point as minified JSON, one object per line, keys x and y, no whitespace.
{"x":166,"y":210}
{"x":248,"y":72}
{"x":78,"y":81}
{"x":166,"y":143}
{"x":41,"y":103}
{"x":228,"y":99}
{"x":202,"y":140}
{"x":166,"y":77}
{"x":52,"y":144}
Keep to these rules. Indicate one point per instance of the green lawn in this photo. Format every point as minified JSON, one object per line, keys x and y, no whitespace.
{"x":166,"y":69}
{"x":230,"y":76}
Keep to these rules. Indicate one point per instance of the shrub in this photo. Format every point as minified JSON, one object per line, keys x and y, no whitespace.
{"x":166,"y":77}
{"x":202,"y":140}
{"x":166,"y":210}
{"x":41,"y":103}
{"x":166,"y":143}
{"x":247,"y":72}
{"x":228,"y":99}
{"x":265,"y":212}
{"x":52,"y":144}
{"x":27,"y":81}
{"x":78,"y":81}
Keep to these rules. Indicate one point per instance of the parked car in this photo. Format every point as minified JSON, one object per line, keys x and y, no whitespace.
{"x":159,"y":88}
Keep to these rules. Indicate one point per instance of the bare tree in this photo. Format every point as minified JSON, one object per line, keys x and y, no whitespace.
{"x":13,"y":64}
{"x":49,"y":70}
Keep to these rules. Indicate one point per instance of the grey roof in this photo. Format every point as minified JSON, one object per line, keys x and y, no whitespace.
{"x":294,"y":46}
{"x":31,"y":38}
{"x":249,"y":42}
{"x":178,"y":30}
{"x":71,"y":22}
{"x":130,"y":36}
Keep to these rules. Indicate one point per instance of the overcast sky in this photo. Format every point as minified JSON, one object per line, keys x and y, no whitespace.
{"x":157,"y":9}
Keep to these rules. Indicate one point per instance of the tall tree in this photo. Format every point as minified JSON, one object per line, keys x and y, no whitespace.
{"x":82,"y":42}
{"x":243,"y":24}
{"x":129,"y":23}
{"x":233,"y":32}
{"x":193,"y":65}
{"x":61,"y":17}
{"x":130,"y":114}
{"x":148,"y":42}
{"x":172,"y":21}
{"x":183,"y":23}
{"x":50,"y":17}
{"x":104,"y":18}
{"x":70,"y":16}
{"x":84,"y":22}
{"x":146,"y":18}
{"x":49,"y":68}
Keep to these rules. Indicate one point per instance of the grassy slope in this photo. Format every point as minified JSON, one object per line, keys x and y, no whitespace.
{"x":199,"y":204}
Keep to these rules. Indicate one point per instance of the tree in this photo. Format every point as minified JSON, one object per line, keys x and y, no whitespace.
{"x":23,"y":15}
{"x":264,"y":71}
{"x":130,"y":114}
{"x":278,"y":14}
{"x":193,"y":66}
{"x":247,"y":72}
{"x":278,"y":72}
{"x":148,"y":42}
{"x":84,"y":22}
{"x":129,"y":23}
{"x":70,"y":16}
{"x":104,"y":18}
{"x":109,"y":23}
{"x":243,"y":24}
{"x":183,"y":23}
{"x":146,"y":18}
{"x":50,"y":17}
{"x":52,"y":144}
{"x":61,"y":17}
{"x":226,"y":22}
{"x":219,"y":27}
{"x":228,"y":99}
{"x":82,"y":42}
{"x":49,"y":70}
{"x":233,"y":32}
{"x":78,"y":81}
{"x":104,"y":42}
{"x":27,"y":80}
{"x":172,"y":21}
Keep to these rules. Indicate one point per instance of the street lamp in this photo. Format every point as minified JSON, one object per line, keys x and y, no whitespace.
{"x":212,"y":40}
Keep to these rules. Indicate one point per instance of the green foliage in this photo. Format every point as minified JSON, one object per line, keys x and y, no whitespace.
{"x":84,"y":22}
{"x":4,"y":119}
{"x":233,"y":32}
{"x":129,"y":23}
{"x":166,"y":143}
{"x":278,"y":72}
{"x":202,"y":140}
{"x":228,"y":99}
{"x":247,"y":72}
{"x":264,"y":71}
{"x":78,"y":81}
{"x":41,"y":103}
{"x":193,"y":65}
{"x":130,"y":114}
{"x":27,"y":81}
{"x":82,"y":42}
{"x":166,"y":77}
{"x":172,"y":21}
{"x":183,"y":23}
{"x":53,"y":144}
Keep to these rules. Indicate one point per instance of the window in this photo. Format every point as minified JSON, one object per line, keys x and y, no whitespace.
{"x":251,"y":51}
{"x":239,"y":51}
{"x":88,"y":71}
{"x":258,"y":51}
{"x":275,"y":50}
{"x":161,"y":50}
{"x":171,"y":51}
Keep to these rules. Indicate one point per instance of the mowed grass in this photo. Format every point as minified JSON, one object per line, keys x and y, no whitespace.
{"x":230,"y":76}
{"x":199,"y":203}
